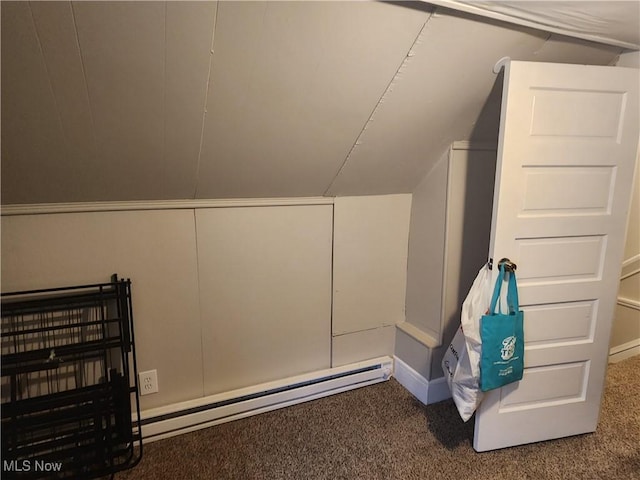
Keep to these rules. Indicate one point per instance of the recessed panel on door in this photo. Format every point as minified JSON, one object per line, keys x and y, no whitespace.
{"x":568,"y":190}
{"x":559,"y":324}
{"x":577,"y":113}
{"x":560,"y":259}
{"x":546,"y":386}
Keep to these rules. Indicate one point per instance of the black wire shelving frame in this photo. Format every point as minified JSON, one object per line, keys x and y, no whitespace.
{"x":70,"y":406}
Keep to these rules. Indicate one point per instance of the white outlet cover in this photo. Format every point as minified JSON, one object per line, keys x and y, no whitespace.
{"x":148,"y":382}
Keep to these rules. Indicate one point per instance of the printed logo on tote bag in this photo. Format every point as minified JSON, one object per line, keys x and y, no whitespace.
{"x":508,"y":347}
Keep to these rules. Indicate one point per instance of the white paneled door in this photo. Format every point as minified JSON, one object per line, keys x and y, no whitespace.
{"x":566,"y":158}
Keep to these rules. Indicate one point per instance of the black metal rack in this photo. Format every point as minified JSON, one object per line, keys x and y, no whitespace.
{"x":70,"y":404}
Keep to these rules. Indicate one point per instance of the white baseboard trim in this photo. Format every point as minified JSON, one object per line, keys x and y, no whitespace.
{"x":184,"y":417}
{"x":438,"y":390}
{"x":427,"y":391}
{"x":626,"y":350}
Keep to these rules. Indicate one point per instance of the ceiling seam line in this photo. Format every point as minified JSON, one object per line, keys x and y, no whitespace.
{"x":206,"y":101}
{"x":379,"y":102}
{"x":49,"y":82}
{"x":84,"y":79}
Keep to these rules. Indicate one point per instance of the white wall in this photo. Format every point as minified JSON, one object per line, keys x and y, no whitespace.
{"x":448,"y":243}
{"x":426,"y":251}
{"x":625,"y":333}
{"x":265,"y":293}
{"x":231,"y":297}
{"x":369,"y":283}
{"x":156,"y":249}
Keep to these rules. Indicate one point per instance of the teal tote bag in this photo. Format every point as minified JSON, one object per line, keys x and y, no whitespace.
{"x":502,"y":335}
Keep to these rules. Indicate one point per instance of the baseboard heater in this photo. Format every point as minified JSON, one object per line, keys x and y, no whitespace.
{"x":183,"y":417}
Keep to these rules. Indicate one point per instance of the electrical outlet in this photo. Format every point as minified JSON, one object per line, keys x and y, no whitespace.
{"x":148,"y":382}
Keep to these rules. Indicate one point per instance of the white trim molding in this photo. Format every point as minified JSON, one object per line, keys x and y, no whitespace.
{"x":419,"y":335}
{"x":78,"y":207}
{"x":474,"y":145}
{"x":629,"y":303}
{"x":630,"y":267}
{"x":427,"y":391}
{"x":626,"y":350}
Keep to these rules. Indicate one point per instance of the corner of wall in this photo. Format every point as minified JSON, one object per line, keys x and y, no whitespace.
{"x":412,"y":367}
{"x":629,"y":59}
{"x":425,"y":262}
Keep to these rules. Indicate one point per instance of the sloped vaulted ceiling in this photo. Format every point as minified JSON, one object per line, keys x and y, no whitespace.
{"x":177,"y":100}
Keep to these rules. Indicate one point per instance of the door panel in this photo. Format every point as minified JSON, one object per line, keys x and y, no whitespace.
{"x":546,"y":386}
{"x":560,"y":259}
{"x":568,"y":190}
{"x":558,"y":324}
{"x":566,"y":157}
{"x":566,"y":112}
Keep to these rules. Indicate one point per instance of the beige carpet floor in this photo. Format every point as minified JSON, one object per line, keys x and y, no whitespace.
{"x":383,"y":432}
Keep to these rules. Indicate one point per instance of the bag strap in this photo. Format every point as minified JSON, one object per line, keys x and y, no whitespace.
{"x":512,"y":294}
{"x":496,"y":290}
{"x":513,"y":301}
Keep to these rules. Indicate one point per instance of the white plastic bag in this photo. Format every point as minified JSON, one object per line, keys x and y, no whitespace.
{"x":473,"y":308}
{"x":461,"y":362}
{"x":465,"y":389}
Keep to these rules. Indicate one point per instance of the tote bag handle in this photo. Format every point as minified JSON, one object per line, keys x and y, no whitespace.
{"x":512,"y":293}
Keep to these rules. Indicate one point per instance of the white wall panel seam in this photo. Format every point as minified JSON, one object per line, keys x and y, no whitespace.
{"x":200,"y":315}
{"x":379,"y":102}
{"x":49,"y":82}
{"x":332,"y":296}
{"x":206,"y":100}
{"x":164,"y":89}
{"x":371,"y":329}
{"x":84,"y":77}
